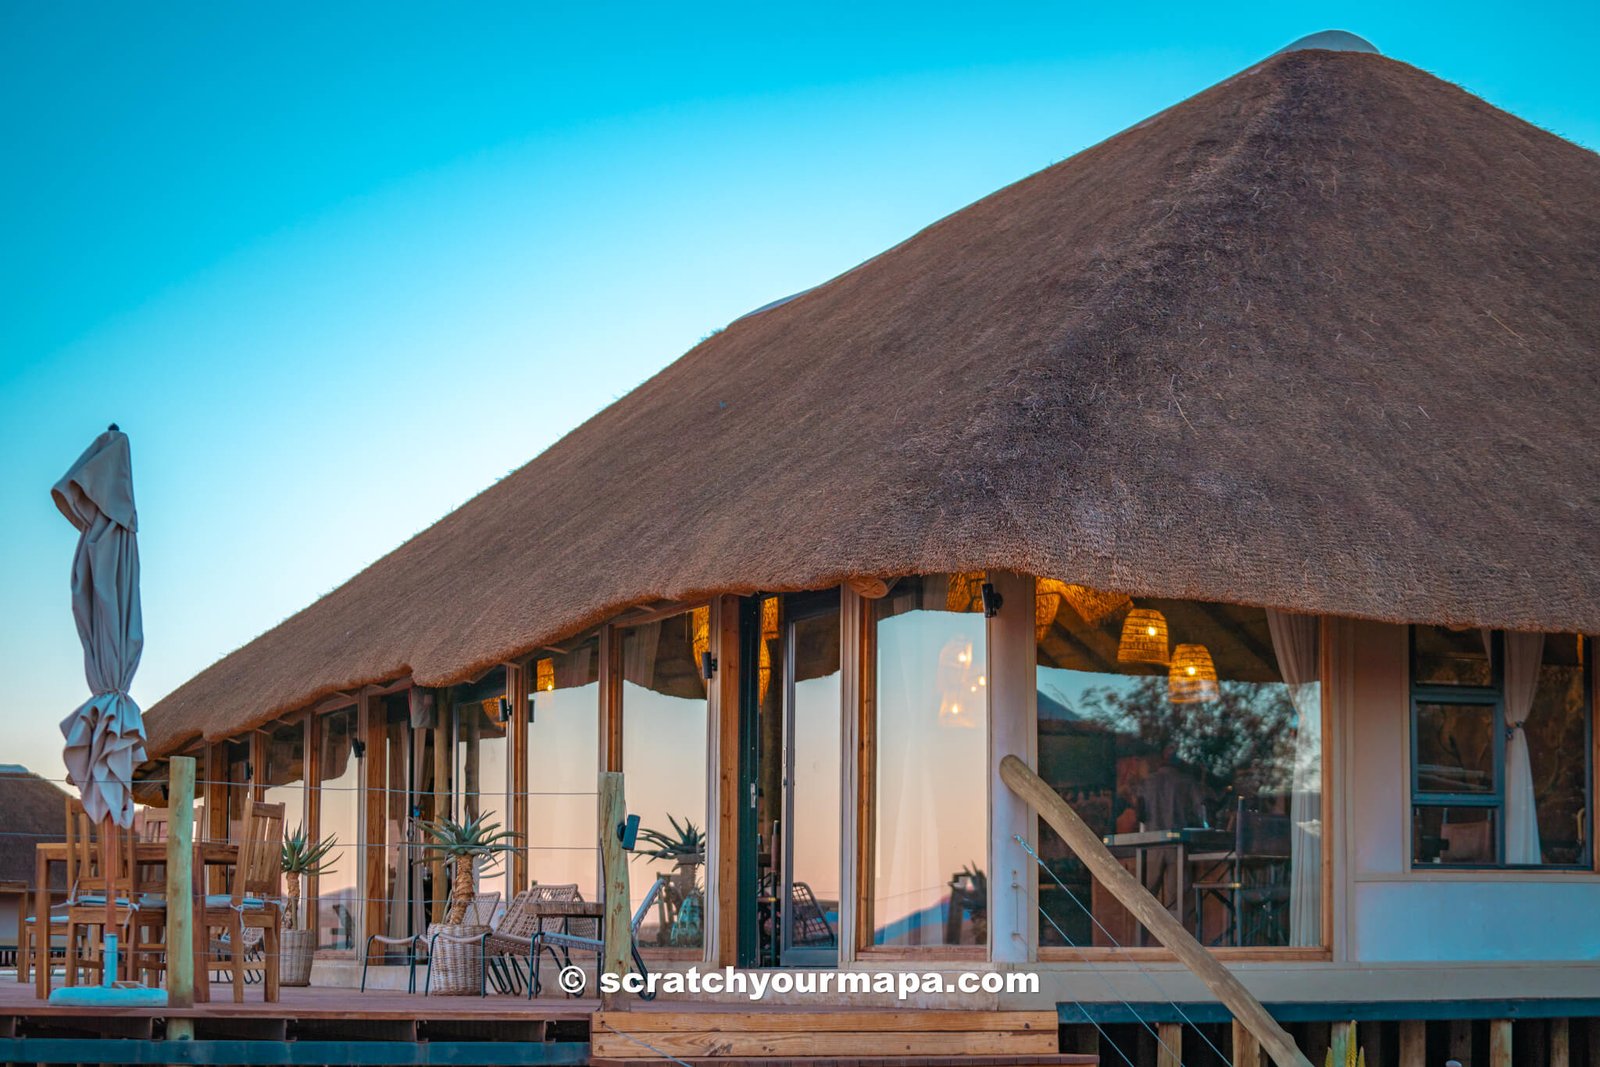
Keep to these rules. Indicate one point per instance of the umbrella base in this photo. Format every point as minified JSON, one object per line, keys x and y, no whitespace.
{"x":91,"y":996}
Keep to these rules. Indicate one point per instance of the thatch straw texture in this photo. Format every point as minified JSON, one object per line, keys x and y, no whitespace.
{"x":1324,"y":337}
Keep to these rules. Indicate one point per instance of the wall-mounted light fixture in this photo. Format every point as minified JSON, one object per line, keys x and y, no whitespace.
{"x":992,"y":600}
{"x":358,"y":747}
{"x":505,"y":710}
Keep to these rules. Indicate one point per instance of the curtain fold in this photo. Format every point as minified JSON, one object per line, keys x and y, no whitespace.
{"x":1296,"y":644}
{"x":1524,"y":652}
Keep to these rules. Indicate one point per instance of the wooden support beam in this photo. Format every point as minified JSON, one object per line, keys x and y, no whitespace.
{"x":617,"y":929}
{"x":1246,"y":1049}
{"x":724,"y":691}
{"x":1413,"y":1043}
{"x":519,"y":683}
{"x":180,"y":892}
{"x":1369,"y":1040}
{"x":1499,"y":1043}
{"x":1152,"y":913}
{"x":1560,"y":1043}
{"x":1169,"y":1045}
{"x":370,"y":714}
{"x":1460,"y":1046}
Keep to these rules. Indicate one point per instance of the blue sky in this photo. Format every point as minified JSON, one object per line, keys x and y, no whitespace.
{"x":336,"y":268}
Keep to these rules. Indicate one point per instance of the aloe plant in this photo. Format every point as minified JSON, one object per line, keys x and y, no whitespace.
{"x":464,"y":843}
{"x":685,"y":842}
{"x":302,"y":857}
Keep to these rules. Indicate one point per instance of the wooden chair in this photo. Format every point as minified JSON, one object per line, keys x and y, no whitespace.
{"x":256,"y":902}
{"x":88,"y":887}
{"x":25,"y":937}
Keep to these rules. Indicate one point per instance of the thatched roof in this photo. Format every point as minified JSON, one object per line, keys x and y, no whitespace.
{"x":34,"y":810}
{"x":1323,"y":337}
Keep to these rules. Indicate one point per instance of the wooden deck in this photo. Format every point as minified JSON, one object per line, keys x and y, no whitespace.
{"x":345,"y":1026}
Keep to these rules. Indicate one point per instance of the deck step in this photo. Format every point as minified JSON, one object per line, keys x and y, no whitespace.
{"x":871,"y":1038}
{"x":1056,"y":1060}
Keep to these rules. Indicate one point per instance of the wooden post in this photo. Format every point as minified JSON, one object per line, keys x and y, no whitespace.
{"x":1155,"y":917}
{"x":618,"y":929}
{"x":1500,"y":1043}
{"x":1560,"y":1043}
{"x":1169,"y":1047}
{"x":1461,"y":1041}
{"x":1413,"y":1043}
{"x":180,"y":892}
{"x":519,"y":683}
{"x":1342,"y":1044}
{"x":1246,"y":1049}
{"x":1369,"y":1039}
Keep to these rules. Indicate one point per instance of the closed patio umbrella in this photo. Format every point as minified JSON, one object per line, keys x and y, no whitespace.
{"x":105,"y":736}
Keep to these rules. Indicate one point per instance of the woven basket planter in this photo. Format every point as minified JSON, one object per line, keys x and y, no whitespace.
{"x":457,"y":965}
{"x":299,"y":948}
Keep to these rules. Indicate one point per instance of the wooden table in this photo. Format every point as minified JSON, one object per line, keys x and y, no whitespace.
{"x":145,"y":853}
{"x":1182,"y":843}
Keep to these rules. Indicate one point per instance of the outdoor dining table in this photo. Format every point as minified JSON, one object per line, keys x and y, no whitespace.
{"x":1180,"y":845}
{"x":145,"y":853}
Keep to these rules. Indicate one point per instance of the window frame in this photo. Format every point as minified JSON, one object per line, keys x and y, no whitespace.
{"x":1493,"y":696}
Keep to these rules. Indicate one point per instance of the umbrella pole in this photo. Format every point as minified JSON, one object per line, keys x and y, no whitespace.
{"x":108,"y":852}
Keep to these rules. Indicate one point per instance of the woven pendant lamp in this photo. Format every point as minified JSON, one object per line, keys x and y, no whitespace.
{"x":1192,"y":679}
{"x":544,"y":676}
{"x":1046,"y":602}
{"x":1144,"y":637}
{"x":700,"y":632}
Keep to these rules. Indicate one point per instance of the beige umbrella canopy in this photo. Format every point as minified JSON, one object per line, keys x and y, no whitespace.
{"x":105,"y":736}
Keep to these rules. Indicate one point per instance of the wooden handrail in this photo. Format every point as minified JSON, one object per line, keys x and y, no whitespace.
{"x":1151,"y":913}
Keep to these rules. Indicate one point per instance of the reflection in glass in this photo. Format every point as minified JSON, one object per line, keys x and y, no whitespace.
{"x":1557,"y":731}
{"x":814,"y":790}
{"x":338,"y":912}
{"x":563,"y":763}
{"x":478,"y":777}
{"x":1445,"y":656}
{"x":283,"y":777}
{"x":1199,"y":763}
{"x":665,"y":761}
{"x":1455,"y":748}
{"x":1453,"y":834}
{"x":930,"y":784}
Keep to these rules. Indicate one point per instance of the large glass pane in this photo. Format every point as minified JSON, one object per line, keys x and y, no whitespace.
{"x":1444,"y":834}
{"x":563,"y":768}
{"x":1188,"y":735}
{"x":1445,"y":656}
{"x":283,"y":778}
{"x":930,"y":803}
{"x":478,"y":776}
{"x":814,"y":789}
{"x":338,"y":911}
{"x":665,"y":762}
{"x":1455,"y":748}
{"x":1557,"y":730}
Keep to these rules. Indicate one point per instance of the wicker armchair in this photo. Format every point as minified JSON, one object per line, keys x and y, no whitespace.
{"x":516,"y":936}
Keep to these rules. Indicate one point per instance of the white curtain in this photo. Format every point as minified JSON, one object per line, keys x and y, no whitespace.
{"x":1523,"y":655}
{"x":639,"y":654}
{"x":1296,"y":643}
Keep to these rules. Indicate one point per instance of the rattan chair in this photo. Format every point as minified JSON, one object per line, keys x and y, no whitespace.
{"x":566,"y":940}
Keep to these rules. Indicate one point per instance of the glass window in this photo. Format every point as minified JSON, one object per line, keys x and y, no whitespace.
{"x":1188,"y":735}
{"x":665,"y":762}
{"x":478,"y":776}
{"x":283,"y":778}
{"x":930,"y":784}
{"x":1500,"y":762}
{"x":563,"y":765}
{"x":338,"y":911}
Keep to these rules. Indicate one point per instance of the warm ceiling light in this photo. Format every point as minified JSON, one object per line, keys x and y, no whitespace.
{"x":769,"y":619}
{"x":544,"y":678}
{"x":1092,"y":605}
{"x":964,"y":592}
{"x":1192,"y":678}
{"x":1144,"y":637}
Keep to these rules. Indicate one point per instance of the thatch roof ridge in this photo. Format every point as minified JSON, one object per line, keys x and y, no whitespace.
{"x":1187,"y":361}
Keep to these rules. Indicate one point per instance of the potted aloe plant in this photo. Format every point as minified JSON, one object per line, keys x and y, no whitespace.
{"x":685,"y":848}
{"x":457,"y":956}
{"x":300,"y":858}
